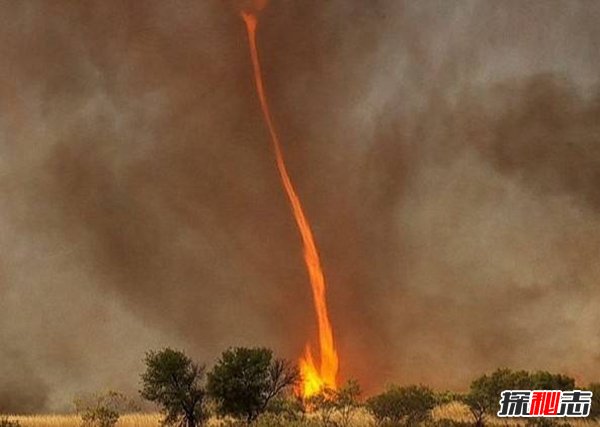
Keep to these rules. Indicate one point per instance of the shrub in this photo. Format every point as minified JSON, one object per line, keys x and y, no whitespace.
{"x":337,"y":407}
{"x":5,"y":422}
{"x":595,"y":409}
{"x":347,"y":402}
{"x":272,"y":420}
{"x":445,"y":397}
{"x":402,"y":405}
{"x":446,"y":422}
{"x":323,"y":404}
{"x":103,"y":410}
{"x":546,"y":422}
{"x":268,"y":419}
{"x":290,"y":408}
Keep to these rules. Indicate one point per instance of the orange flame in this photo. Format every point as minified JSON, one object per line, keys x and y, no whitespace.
{"x":313,"y":379}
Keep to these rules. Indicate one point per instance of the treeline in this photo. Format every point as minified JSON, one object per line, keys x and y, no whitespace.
{"x":250,"y":386}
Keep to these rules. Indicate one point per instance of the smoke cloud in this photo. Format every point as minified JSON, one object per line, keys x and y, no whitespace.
{"x":447,"y":154}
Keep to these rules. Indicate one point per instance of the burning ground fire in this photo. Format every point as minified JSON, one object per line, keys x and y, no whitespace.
{"x":314,"y":378}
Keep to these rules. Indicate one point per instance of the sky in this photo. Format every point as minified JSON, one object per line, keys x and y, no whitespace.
{"x":447,"y":154}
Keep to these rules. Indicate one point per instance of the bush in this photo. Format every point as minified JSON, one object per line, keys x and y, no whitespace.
{"x":446,"y":422}
{"x":347,"y":402}
{"x":546,"y":422}
{"x":337,"y":407}
{"x":272,"y":420}
{"x":100,"y":417}
{"x":290,"y":408}
{"x":103,"y":410}
{"x":445,"y":397}
{"x":268,"y":419}
{"x":595,"y":409}
{"x":409,"y":406}
{"x":5,"y":422}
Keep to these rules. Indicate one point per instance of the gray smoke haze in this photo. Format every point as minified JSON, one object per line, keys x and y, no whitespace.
{"x":447,"y":154}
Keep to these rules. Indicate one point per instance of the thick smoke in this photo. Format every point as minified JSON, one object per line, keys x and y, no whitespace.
{"x":447,"y":153}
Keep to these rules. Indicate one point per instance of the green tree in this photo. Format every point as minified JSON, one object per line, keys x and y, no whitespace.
{"x":408,"y":406}
{"x":245,"y":380}
{"x":542,"y":380}
{"x":484,"y":394}
{"x":174,"y":381}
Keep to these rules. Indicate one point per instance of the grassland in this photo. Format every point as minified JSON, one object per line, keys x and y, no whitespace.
{"x":130,"y":420}
{"x":452,"y":411}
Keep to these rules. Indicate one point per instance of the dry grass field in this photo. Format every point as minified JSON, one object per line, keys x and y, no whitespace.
{"x":453,"y":411}
{"x":130,"y":420}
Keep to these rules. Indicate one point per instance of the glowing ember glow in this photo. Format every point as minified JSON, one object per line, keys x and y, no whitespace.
{"x":313,"y":379}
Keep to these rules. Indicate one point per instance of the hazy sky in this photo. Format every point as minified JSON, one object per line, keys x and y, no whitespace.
{"x":447,"y":153}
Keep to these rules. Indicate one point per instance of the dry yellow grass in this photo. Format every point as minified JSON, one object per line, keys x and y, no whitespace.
{"x":47,"y":420}
{"x":454,"y":411}
{"x":458,"y":412}
{"x":130,"y":420}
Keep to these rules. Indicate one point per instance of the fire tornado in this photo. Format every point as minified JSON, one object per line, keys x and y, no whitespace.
{"x":314,"y":378}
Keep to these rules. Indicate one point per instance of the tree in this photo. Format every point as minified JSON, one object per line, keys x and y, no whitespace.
{"x":174,"y":381}
{"x":103,"y":410}
{"x":484,"y":394}
{"x":409,"y":405}
{"x":542,"y":380}
{"x":481,"y":399}
{"x":245,"y":380}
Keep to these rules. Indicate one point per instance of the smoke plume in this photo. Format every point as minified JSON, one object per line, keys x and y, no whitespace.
{"x":447,"y":154}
